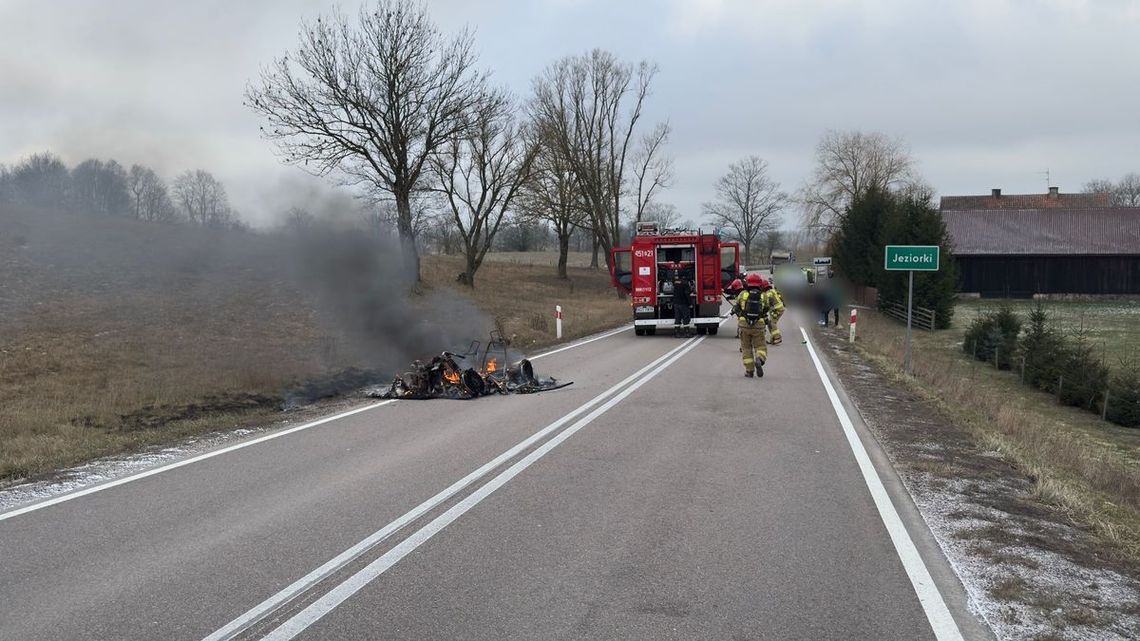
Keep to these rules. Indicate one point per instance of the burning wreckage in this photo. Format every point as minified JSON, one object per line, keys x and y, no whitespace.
{"x":470,"y":375}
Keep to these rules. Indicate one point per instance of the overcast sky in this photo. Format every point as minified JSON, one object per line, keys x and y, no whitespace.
{"x":987,"y":93}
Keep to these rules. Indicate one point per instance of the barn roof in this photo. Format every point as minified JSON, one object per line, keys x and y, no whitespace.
{"x":998,"y":200}
{"x":1070,"y":231}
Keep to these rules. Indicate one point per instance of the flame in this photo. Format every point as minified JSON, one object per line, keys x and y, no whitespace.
{"x":452,"y":377}
{"x":492,"y":366}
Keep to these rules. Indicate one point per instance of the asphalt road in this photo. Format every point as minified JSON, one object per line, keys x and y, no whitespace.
{"x":662,"y":496}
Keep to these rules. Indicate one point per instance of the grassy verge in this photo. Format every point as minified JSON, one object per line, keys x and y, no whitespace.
{"x":1112,"y":326}
{"x":1086,"y":467}
{"x":111,"y":372}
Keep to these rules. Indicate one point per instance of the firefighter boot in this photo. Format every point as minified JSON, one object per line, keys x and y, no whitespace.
{"x":759,"y":368}
{"x":748,"y":374}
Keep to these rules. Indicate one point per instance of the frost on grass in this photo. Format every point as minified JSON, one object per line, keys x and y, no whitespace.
{"x":1028,"y":572}
{"x":94,"y":473}
{"x":1024,"y":591}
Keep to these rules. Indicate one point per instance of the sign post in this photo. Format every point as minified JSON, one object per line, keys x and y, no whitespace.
{"x":558,"y":322}
{"x":910,"y":258}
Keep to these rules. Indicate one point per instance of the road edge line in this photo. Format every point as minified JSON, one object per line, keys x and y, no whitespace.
{"x":201,"y":457}
{"x":938,"y":614}
{"x":580,"y":343}
{"x":63,"y":498}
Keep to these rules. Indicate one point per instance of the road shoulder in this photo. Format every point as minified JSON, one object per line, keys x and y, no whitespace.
{"x":997,"y":548}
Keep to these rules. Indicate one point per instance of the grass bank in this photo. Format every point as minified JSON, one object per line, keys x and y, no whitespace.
{"x":1086,"y":467}
{"x":115,"y":336}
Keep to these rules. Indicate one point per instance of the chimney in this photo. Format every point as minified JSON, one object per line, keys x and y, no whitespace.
{"x":1054,"y":192}
{"x":996,"y":193}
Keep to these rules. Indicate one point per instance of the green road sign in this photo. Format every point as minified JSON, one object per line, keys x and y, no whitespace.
{"x":918,"y":258}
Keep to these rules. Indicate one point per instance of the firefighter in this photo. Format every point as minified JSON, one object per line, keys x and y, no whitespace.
{"x":776,"y":304}
{"x":731,"y":292}
{"x":682,"y":310}
{"x":752,"y":308}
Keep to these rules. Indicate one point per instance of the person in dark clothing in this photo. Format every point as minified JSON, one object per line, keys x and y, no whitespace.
{"x":682,"y":305}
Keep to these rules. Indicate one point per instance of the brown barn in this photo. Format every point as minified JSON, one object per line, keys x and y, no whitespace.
{"x":1019,"y":252}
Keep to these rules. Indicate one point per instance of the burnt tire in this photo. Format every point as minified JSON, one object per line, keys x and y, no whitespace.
{"x":713,"y":330}
{"x":639,"y":331}
{"x":702,"y":330}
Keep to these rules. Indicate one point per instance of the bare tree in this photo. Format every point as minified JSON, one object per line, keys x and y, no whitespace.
{"x":41,"y":180}
{"x":551,"y":195}
{"x":846,"y":165}
{"x":587,"y":108}
{"x":298,"y":221}
{"x":203,"y":199}
{"x":652,"y":169}
{"x":748,"y":201}
{"x":1128,"y":191}
{"x":373,"y":99}
{"x":479,"y":174}
{"x":99,"y":188}
{"x":665,"y":214}
{"x":1125,"y":193}
{"x":150,"y":199}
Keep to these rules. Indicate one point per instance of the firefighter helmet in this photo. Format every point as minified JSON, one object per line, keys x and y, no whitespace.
{"x":754,"y":280}
{"x":736,"y":285}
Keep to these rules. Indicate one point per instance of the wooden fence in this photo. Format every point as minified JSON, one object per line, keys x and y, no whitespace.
{"x":921,"y":317}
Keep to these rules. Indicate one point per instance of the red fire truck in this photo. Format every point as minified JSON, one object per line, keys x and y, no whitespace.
{"x":646,"y":268}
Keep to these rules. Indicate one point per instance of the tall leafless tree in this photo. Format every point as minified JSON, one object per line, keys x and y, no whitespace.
{"x":847,"y":164}
{"x":371,"y":98}
{"x":652,"y":168}
{"x":748,"y":201}
{"x":588,"y":108}
{"x":203,"y":199}
{"x":551,"y":195}
{"x":479,"y":173}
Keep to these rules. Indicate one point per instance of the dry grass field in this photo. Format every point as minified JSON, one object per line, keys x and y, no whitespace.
{"x":115,"y":335}
{"x":1089,"y":468}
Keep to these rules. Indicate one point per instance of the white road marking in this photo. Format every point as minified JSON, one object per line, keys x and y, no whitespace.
{"x":261,"y":610}
{"x":201,"y":457}
{"x":311,"y":614}
{"x":165,"y":468}
{"x":941,"y":621}
{"x":581,"y":343}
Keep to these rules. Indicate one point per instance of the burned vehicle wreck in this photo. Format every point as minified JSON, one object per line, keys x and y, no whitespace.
{"x":471,"y":374}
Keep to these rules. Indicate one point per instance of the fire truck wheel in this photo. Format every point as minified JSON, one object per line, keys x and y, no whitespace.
{"x":713,"y":330}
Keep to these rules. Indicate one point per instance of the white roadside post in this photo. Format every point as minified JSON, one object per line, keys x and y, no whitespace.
{"x":910,"y":258}
{"x":854,"y":317}
{"x":558,"y":321}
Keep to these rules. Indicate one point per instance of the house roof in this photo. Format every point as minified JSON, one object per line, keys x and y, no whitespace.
{"x":1025,"y":201}
{"x":1071,"y":231}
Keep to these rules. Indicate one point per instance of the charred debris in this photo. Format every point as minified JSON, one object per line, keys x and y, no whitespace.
{"x":480,"y":371}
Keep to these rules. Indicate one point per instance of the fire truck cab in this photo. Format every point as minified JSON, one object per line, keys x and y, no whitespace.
{"x":645,"y":270}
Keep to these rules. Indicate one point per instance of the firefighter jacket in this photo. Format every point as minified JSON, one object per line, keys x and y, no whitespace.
{"x":769,"y":302}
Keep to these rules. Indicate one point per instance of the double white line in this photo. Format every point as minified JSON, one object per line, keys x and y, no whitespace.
{"x":326,"y":603}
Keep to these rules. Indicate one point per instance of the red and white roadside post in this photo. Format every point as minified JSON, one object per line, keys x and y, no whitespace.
{"x":558,"y":321}
{"x":854,"y":316}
